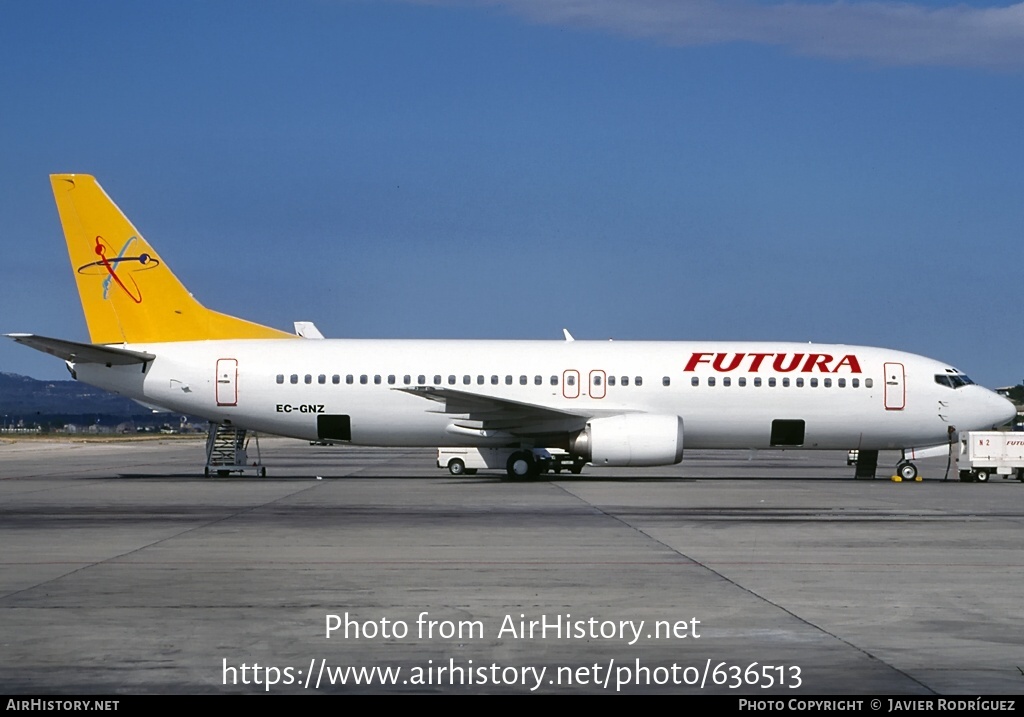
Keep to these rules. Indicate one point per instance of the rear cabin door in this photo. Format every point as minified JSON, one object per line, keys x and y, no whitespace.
{"x":227,"y":382}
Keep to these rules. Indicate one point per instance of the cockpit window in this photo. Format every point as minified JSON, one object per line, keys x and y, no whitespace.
{"x":952,"y":380}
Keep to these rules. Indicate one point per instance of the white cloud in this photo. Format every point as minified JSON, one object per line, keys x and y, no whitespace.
{"x":889,"y":33}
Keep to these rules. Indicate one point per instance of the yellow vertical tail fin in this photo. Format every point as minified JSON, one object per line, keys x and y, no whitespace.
{"x":129,"y":295}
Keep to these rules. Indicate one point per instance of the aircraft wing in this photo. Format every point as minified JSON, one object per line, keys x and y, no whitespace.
{"x":474,"y":412}
{"x":82,"y":353}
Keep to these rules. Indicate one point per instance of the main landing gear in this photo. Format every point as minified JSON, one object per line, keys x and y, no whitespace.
{"x":524,"y":465}
{"x":521,"y":465}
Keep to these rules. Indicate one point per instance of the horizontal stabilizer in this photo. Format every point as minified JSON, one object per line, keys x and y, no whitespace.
{"x":82,"y":353}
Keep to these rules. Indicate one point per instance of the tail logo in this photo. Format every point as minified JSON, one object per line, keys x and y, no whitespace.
{"x":110,"y":266}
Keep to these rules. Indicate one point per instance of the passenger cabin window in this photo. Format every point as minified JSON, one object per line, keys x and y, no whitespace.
{"x":785,"y":382}
{"x":538,"y":380}
{"x":639,"y":381}
{"x":294,"y":378}
{"x":742,"y":381}
{"x":308,"y":378}
{"x":391,"y":379}
{"x":522,"y":380}
{"x":349,"y":378}
{"x":421,"y":380}
{"x":711,"y":380}
{"x":508,"y":380}
{"x":364,"y":379}
{"x":726,"y":381}
{"x":437,"y":379}
{"x":376,"y":379}
{"x":611,"y":380}
{"x":841,"y":383}
{"x":666,"y":381}
{"x":826,"y":382}
{"x":799,"y":382}
{"x":467,"y":379}
{"x":868,"y":383}
{"x":757,"y":381}
{"x":451,"y":379}
{"x":771,"y":382}
{"x":280,"y":378}
{"x":322,"y":378}
{"x":480,"y":380}
{"x":695,"y":381}
{"x":625,"y":381}
{"x":554,"y":380}
{"x":570,"y":380}
{"x":494,"y":380}
{"x":335,"y":379}
{"x":407,"y":379}
{"x":814,"y":383}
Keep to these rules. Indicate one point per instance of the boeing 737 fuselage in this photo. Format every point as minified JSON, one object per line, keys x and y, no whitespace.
{"x":611,"y":403}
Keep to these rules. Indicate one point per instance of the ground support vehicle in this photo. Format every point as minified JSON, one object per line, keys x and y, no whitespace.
{"x":987,"y":453}
{"x":519,"y":463}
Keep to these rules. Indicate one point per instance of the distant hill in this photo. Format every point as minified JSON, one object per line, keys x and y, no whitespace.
{"x":24,"y":395}
{"x":27,"y":403}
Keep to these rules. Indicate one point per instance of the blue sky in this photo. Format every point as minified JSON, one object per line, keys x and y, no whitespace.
{"x":644,"y":169}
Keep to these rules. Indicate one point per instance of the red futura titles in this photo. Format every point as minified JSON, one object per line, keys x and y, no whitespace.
{"x":781,"y":363}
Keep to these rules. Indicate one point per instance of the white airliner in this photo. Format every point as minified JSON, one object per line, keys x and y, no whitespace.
{"x":610,"y":403}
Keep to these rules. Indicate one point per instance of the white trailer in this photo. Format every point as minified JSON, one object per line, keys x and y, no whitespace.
{"x":987,"y":453}
{"x":466,"y":461}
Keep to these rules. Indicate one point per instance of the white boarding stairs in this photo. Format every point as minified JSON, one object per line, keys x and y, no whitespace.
{"x":227,"y":451}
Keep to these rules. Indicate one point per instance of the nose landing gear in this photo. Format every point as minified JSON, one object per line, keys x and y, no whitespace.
{"x":905,"y":470}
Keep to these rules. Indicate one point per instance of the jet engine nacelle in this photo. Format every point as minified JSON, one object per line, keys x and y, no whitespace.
{"x":631,"y":439}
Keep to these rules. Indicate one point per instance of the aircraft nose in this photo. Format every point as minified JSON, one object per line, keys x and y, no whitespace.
{"x":1005,"y":410}
{"x":996,"y":411}
{"x":987,"y":410}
